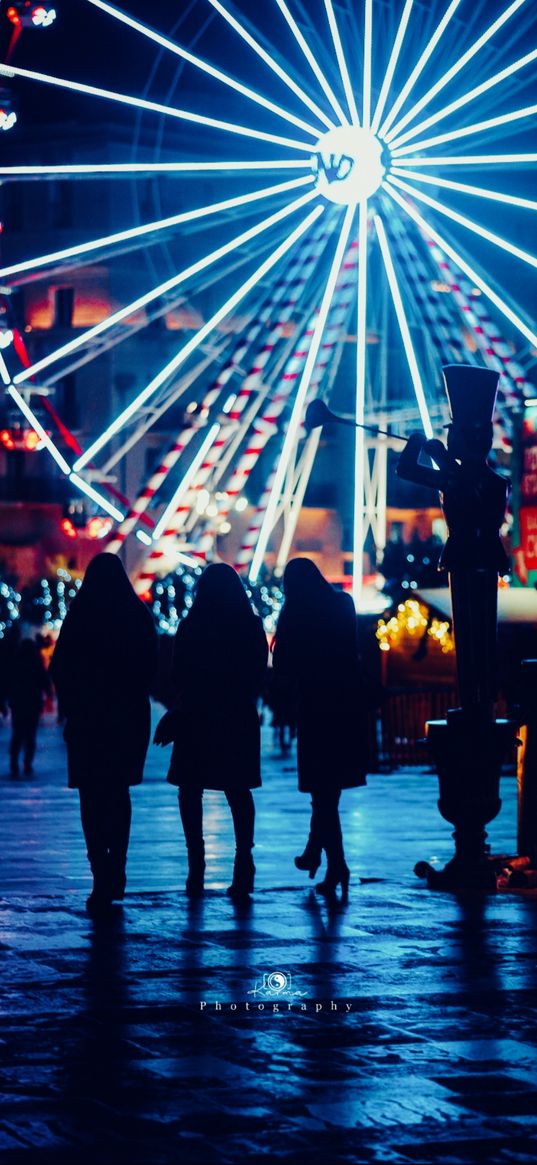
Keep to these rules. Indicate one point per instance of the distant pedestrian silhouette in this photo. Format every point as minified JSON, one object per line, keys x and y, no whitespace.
{"x":27,"y":684}
{"x":219,"y":661}
{"x":103,"y":666}
{"x":280,"y":701}
{"x":315,"y":654}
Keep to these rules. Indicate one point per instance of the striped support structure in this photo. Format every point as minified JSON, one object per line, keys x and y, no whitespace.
{"x":264,"y":428}
{"x":293,"y":284}
{"x":158,"y":478}
{"x":231,"y":366}
{"x":341,"y":304}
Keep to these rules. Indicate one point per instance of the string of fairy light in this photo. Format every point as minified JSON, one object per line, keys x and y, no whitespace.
{"x":45,"y":604}
{"x":172,"y":597}
{"x":42,"y":605}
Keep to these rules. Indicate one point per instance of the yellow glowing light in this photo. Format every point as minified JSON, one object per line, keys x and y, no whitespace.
{"x":412,"y":618}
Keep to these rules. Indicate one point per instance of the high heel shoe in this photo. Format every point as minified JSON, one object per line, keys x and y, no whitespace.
{"x":334,"y":879}
{"x":310,"y":860}
{"x":243,"y":879}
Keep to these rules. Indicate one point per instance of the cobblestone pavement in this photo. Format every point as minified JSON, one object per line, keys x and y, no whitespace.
{"x":411,"y":1036}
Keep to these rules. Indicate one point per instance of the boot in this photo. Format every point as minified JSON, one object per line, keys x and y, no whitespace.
{"x":243,"y":877}
{"x":196,"y":871}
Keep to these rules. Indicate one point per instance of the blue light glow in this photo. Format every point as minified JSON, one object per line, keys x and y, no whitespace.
{"x":477,"y":228}
{"x":349,"y":147}
{"x":198,"y":339}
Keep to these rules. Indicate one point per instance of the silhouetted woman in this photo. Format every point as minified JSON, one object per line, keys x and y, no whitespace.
{"x":27,"y":684}
{"x":103,"y":667}
{"x":315,"y":653}
{"x":219,"y":661}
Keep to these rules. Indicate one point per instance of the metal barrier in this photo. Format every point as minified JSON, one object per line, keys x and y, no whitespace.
{"x":403,"y":715}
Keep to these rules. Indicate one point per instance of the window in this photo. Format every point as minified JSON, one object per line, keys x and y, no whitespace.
{"x":64,"y":301}
{"x":69,"y":406}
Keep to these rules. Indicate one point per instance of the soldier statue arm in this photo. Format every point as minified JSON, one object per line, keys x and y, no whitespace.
{"x":409,"y":468}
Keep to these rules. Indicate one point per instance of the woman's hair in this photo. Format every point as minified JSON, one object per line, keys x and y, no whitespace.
{"x":303,"y":584}
{"x":220,"y":592}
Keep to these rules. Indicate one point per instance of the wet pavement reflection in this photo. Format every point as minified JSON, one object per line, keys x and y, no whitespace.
{"x":399,"y":1028}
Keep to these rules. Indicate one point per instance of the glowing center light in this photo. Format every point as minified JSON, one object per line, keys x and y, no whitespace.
{"x":348,"y":164}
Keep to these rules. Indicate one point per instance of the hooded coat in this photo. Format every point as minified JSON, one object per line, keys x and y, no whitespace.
{"x":316,"y":658}
{"x":103,"y":667}
{"x":218,"y":671}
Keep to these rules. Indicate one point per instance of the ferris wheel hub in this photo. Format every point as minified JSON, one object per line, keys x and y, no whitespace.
{"x":348,"y":164}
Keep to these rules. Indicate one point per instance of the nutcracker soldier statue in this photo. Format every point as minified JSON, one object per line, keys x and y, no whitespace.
{"x":470,"y":745}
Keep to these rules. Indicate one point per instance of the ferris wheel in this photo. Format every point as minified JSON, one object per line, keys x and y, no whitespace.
{"x":375,"y":144}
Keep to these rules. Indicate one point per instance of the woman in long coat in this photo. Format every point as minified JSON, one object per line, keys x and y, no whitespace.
{"x":103,"y":666}
{"x":316,"y":657}
{"x":219,"y":662}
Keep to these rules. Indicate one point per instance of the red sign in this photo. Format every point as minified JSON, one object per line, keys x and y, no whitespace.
{"x":528,"y":535}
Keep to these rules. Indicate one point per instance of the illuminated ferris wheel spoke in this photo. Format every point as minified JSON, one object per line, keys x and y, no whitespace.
{"x":215,"y":461}
{"x":394,"y":57}
{"x":346,"y":167}
{"x":79,"y":483}
{"x":162,"y":288}
{"x":465,"y":130}
{"x":476,"y":228}
{"x":312,"y":61}
{"x":258,"y":318}
{"x":197,"y":339}
{"x":204,"y":66}
{"x":349,"y":94}
{"x":153,"y":227}
{"x":360,"y":452}
{"x":272,"y":64}
{"x":28,"y":412}
{"x":277,"y":384}
{"x":11,"y":71}
{"x":96,"y":496}
{"x":4,"y":374}
{"x":463,"y":188}
{"x":129,"y":169}
{"x":418,"y":67}
{"x":456,"y":68}
{"x":469,"y":160}
{"x":403,"y":327}
{"x":462,"y":263}
{"x":298,"y":407}
{"x":93,"y":352}
{"x":466,"y":98}
{"x":186,"y":481}
{"x":291,"y":283}
{"x":366,"y":89}
{"x":155,"y":413}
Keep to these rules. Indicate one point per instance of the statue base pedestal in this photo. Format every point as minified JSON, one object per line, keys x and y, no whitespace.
{"x":468,"y":752}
